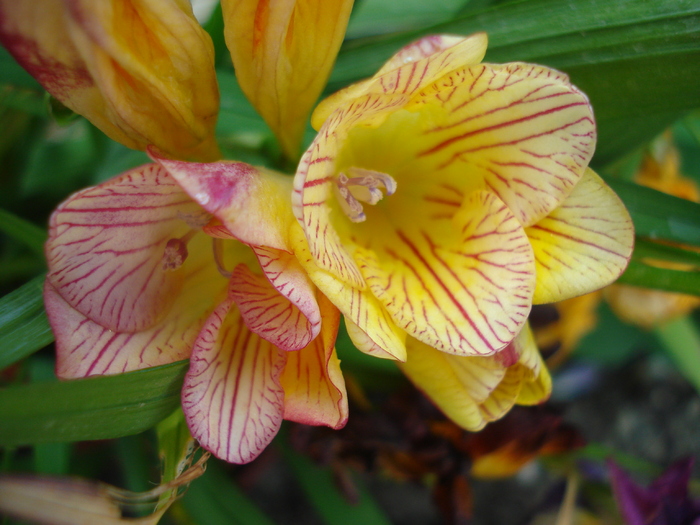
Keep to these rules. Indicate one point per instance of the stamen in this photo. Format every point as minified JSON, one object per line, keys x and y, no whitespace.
{"x":363,"y":185}
{"x":176,"y":252}
{"x":218,"y":248}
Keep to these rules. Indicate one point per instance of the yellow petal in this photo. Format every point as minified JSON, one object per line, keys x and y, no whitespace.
{"x":419,"y":63}
{"x":473,"y":391}
{"x":232,"y":397}
{"x":462,"y":286}
{"x":520,"y":131}
{"x":283,"y":52}
{"x":536,"y":384}
{"x":143,"y":72}
{"x":457,"y":385}
{"x":369,"y":324}
{"x":582,"y":245}
{"x":314,"y":388}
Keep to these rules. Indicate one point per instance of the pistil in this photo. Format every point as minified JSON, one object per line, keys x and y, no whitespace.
{"x":362,"y":185}
{"x":218,"y":248}
{"x":176,"y":252}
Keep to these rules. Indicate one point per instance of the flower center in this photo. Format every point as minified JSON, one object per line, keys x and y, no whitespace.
{"x":362,"y":185}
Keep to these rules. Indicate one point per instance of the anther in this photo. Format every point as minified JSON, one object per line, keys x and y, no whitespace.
{"x":362,"y":185}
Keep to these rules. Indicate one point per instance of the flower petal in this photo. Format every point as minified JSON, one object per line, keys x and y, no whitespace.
{"x":143,"y":72}
{"x":84,"y":347}
{"x":283,"y":53}
{"x":419,"y":63}
{"x":584,"y":244}
{"x":290,"y":279}
{"x":457,"y":385}
{"x":232,"y":398}
{"x":521,"y":131}
{"x":115,"y":251}
{"x":536,"y":384}
{"x":369,"y":324}
{"x":464,"y":290}
{"x":269,"y":314}
{"x":314,"y":388}
{"x":252,"y":203}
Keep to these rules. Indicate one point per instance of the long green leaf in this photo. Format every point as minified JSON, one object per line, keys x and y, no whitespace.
{"x":657,"y":215}
{"x":24,"y":328}
{"x":638,"y":61}
{"x":644,"y":248}
{"x":23,"y":231}
{"x":681,"y":340}
{"x":644,"y":275}
{"x":93,"y":408}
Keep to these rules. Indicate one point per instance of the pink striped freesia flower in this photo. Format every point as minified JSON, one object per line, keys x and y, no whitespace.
{"x":441,"y":199}
{"x":174,"y":260}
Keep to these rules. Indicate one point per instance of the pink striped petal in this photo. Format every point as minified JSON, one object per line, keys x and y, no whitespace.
{"x":252,"y":203}
{"x":584,"y":244}
{"x":314,"y":388}
{"x":463,"y":287}
{"x":290,"y":280}
{"x":232,"y":397}
{"x":84,"y":347}
{"x":369,"y":325}
{"x":271,"y":315}
{"x":116,"y":251}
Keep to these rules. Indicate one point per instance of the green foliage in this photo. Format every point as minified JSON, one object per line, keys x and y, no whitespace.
{"x":93,"y":408}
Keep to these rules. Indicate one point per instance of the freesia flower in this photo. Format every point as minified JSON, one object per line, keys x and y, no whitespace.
{"x":283,"y":53}
{"x":141,"y":71}
{"x":175,"y":260}
{"x":440,"y":200}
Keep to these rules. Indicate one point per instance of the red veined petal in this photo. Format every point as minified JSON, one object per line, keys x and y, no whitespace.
{"x":232,"y":397}
{"x":314,"y":388}
{"x":117,"y":252}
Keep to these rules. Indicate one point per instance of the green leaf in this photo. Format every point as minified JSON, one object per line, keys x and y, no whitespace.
{"x":24,"y":328}
{"x":215,"y":500}
{"x":638,"y":61}
{"x":646,"y":276}
{"x":318,"y":484}
{"x":644,"y":248}
{"x":23,"y":231}
{"x":681,"y":340}
{"x":657,"y":215}
{"x":94,"y":408}
{"x":237,"y":116}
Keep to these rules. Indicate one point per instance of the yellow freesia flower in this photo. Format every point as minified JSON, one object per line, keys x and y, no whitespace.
{"x":440,"y":200}
{"x":140,"y":70}
{"x":178,"y":260}
{"x":283,"y":52}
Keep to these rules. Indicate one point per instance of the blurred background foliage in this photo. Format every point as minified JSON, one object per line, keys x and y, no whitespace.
{"x":622,"y":390}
